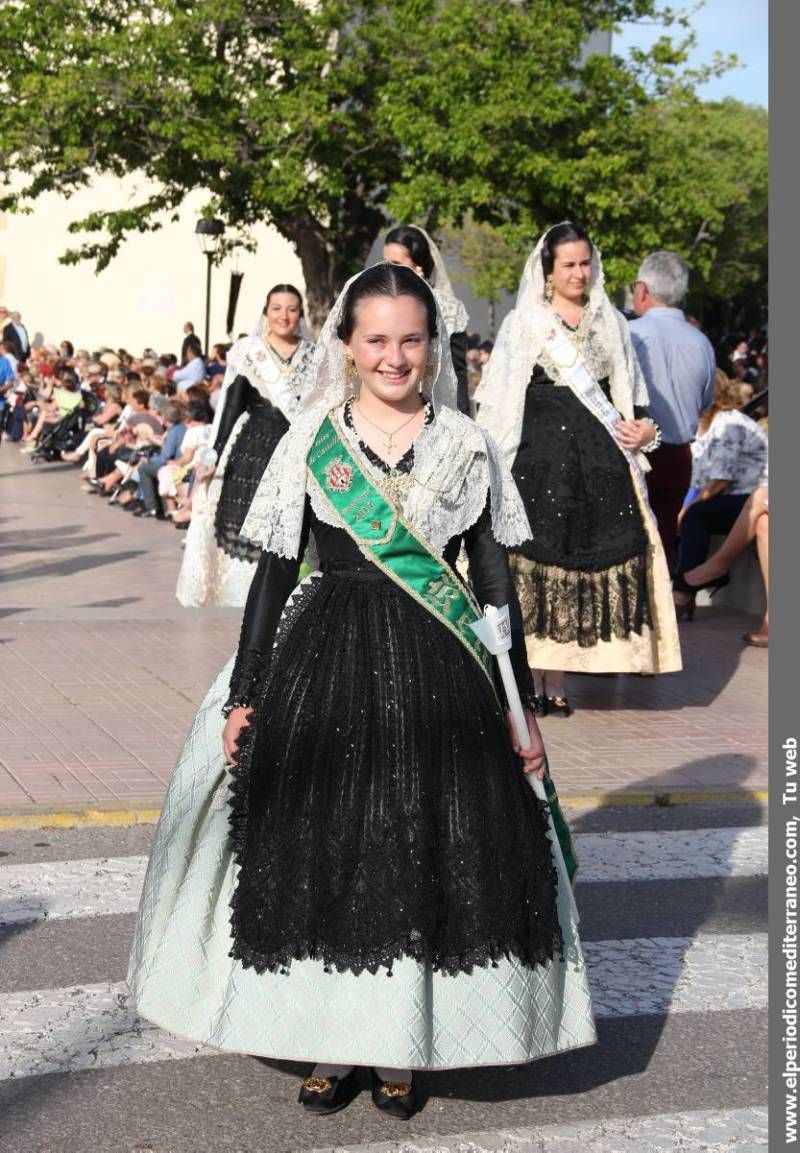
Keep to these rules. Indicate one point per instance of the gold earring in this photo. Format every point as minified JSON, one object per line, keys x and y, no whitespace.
{"x":426,"y":379}
{"x":351,"y":375}
{"x":548,"y":288}
{"x":418,"y":270}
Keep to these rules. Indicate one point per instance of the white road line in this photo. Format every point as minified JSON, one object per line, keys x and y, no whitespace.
{"x":714,"y":1131}
{"x":92,"y":1026}
{"x":94,"y":888}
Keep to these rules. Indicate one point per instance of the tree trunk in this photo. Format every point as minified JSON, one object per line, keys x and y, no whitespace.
{"x":331,"y":255}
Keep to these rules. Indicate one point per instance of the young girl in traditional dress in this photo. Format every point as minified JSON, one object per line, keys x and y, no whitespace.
{"x":265,"y":376}
{"x":565,"y":399}
{"x":387,"y":893}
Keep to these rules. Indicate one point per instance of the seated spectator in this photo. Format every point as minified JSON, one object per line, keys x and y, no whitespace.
{"x":67,"y":349}
{"x":216,"y":364}
{"x":136,"y":429}
{"x":23,"y":393}
{"x":58,"y":400}
{"x":106,"y":416}
{"x":193,"y":371}
{"x":751,"y":523}
{"x":8,"y":378}
{"x":175,"y":478}
{"x":729,"y":461}
{"x":148,"y":469}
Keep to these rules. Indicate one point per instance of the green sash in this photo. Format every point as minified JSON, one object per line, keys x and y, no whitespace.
{"x":384,"y":537}
{"x":387,"y":540}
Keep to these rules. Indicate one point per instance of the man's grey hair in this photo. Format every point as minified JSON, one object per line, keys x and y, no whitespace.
{"x":666,"y":275}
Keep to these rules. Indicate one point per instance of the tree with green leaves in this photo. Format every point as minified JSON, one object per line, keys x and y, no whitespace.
{"x":328,"y":119}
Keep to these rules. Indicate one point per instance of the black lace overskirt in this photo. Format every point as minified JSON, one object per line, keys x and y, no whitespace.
{"x":576,"y":484}
{"x":582,"y":577}
{"x":249,"y":456}
{"x":378,"y":809}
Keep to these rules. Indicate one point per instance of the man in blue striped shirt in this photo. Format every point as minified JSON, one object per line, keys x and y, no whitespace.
{"x":679,"y":366}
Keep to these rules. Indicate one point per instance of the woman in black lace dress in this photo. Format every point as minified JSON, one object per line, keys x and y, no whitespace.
{"x":395,"y":899}
{"x":265,"y":376}
{"x":565,"y":397}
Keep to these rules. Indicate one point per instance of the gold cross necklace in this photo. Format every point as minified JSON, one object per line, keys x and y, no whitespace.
{"x":388,"y":444}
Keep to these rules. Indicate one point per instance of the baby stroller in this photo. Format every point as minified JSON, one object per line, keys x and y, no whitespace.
{"x":64,"y":436}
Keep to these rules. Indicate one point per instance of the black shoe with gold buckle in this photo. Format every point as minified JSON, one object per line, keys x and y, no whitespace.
{"x":396,"y":1099}
{"x":322,"y":1095}
{"x":558,"y":707}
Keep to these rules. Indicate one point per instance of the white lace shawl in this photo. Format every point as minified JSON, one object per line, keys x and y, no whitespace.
{"x":248,"y":357}
{"x":520,"y":345}
{"x":456,"y":465}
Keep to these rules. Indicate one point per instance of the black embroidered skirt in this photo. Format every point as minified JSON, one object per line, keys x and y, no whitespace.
{"x":582,"y":577}
{"x":378,"y":809}
{"x":249,"y":456}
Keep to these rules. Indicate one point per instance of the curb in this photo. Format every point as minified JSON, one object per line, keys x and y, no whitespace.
{"x":41,"y":817}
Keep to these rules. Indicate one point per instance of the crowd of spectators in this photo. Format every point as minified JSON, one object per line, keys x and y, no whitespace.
{"x":134,"y":425}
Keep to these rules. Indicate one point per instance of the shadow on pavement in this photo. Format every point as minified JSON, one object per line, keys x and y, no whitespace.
{"x":34,"y":570}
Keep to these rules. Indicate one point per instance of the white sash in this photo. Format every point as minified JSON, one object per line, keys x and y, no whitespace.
{"x":262,"y":370}
{"x":573,"y":371}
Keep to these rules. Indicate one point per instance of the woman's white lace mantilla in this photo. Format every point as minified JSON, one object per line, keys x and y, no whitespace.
{"x":520,"y":345}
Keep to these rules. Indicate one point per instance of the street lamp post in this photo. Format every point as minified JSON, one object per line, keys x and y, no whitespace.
{"x":209,"y":232}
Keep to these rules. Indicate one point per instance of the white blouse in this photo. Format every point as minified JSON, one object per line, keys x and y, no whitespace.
{"x":734,"y":448}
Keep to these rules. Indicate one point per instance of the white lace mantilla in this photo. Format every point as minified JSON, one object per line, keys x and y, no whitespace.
{"x":457,"y":468}
{"x":454,"y":312}
{"x":456,"y":464}
{"x":607,"y":352}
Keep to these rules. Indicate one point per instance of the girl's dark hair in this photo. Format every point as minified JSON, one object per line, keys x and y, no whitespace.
{"x":386,"y":279}
{"x":276,"y":288}
{"x":561,"y":234}
{"x":199,"y":410}
{"x":69,"y":347}
{"x":412,"y":239}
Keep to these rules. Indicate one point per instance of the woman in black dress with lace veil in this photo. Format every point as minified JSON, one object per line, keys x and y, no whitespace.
{"x":565,"y":398}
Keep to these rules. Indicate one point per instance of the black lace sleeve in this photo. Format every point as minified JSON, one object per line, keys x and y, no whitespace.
{"x":236,"y":399}
{"x":458,"y":352}
{"x":274,"y":580}
{"x":492,"y":584}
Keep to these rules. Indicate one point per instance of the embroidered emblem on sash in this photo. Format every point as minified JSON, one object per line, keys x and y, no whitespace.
{"x":338,"y":475}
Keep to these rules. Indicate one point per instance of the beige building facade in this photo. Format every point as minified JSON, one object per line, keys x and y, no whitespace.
{"x":151,"y":288}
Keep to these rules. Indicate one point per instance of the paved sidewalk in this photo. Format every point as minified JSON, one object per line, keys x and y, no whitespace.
{"x":101,"y":671}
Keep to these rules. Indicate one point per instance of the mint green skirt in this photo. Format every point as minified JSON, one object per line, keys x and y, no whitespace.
{"x":182,"y":977}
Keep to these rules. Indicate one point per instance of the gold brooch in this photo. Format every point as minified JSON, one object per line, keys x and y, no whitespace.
{"x":318,"y":1084}
{"x":395,"y":1089}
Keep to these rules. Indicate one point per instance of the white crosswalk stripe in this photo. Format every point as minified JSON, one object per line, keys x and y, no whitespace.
{"x":97,"y":887}
{"x":92,"y":1026}
{"x":712,"y":1131}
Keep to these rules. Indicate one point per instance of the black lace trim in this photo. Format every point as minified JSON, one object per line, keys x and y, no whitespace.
{"x":248,"y":677}
{"x":249,"y":456}
{"x":568,"y":606}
